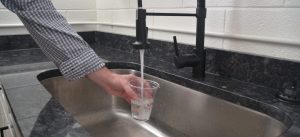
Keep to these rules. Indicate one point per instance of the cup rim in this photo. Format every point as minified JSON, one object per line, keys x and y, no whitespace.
{"x":152,"y":81}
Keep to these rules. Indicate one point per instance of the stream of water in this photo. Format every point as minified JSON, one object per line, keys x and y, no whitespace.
{"x":142,"y":51}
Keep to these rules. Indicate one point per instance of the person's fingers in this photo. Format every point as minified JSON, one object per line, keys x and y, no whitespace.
{"x":115,"y":93}
{"x":147,"y":86}
{"x":121,"y":94}
{"x":148,"y":93}
{"x":127,"y":98}
{"x":130,"y":92}
{"x":132,"y":77}
{"x":124,"y":96}
{"x":148,"y":89}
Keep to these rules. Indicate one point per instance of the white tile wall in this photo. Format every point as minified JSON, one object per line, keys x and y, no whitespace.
{"x":276,"y":19}
{"x":13,"y":31}
{"x":179,"y":23}
{"x":263,"y":49}
{"x":74,"y":4}
{"x":7,"y":17}
{"x":105,"y":28}
{"x":214,"y":20}
{"x":189,"y":3}
{"x":133,"y":4}
{"x":158,"y":3}
{"x":113,"y":4}
{"x":274,"y":22}
{"x":126,"y":17}
{"x":120,"y":16}
{"x":105,"y":4}
{"x":168,"y":36}
{"x":124,"y":30}
{"x":105,"y":16}
{"x":185,"y":38}
{"x":81,"y":15}
{"x":82,"y":28}
{"x":120,"y":4}
{"x":1,"y":6}
{"x":73,"y":10}
{"x":234,"y":3}
{"x":212,"y":42}
{"x":292,"y":3}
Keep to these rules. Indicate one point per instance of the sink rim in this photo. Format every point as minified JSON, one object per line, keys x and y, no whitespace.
{"x":223,"y":94}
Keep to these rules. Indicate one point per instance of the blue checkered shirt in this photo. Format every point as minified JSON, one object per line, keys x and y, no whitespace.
{"x":59,"y":42}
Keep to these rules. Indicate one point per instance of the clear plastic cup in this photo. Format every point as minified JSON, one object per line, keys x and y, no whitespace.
{"x":141,"y":107}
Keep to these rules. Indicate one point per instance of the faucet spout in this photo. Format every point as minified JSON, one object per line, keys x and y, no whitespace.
{"x":140,"y":3}
{"x":141,"y":30}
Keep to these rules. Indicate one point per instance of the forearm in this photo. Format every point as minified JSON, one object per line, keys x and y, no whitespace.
{"x":56,"y":38}
{"x":114,"y":83}
{"x":103,"y":77}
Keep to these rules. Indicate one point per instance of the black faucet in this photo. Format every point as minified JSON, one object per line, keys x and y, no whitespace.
{"x":196,"y":59}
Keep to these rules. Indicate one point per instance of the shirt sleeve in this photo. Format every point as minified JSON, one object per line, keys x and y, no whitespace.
{"x":59,"y":42}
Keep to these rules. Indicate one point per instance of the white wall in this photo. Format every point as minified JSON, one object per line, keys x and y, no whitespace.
{"x":261,"y":27}
{"x":75,"y":11}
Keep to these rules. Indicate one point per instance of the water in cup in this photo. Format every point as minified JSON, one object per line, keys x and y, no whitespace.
{"x":141,"y":109}
{"x":142,"y":106}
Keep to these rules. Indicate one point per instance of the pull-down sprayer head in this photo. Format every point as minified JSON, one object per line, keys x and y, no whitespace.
{"x":141,"y":28}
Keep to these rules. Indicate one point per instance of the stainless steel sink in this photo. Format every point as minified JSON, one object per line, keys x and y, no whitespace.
{"x":178,"y":112}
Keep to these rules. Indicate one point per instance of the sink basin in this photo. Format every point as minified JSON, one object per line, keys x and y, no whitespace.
{"x":178,"y":111}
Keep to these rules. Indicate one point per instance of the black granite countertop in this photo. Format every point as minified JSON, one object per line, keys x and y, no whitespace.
{"x":39,"y":115}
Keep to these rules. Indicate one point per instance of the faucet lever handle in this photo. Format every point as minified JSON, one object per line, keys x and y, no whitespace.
{"x":176,"y":46}
{"x":147,"y":31}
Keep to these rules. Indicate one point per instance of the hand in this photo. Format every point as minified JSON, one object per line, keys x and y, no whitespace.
{"x":114,"y":84}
